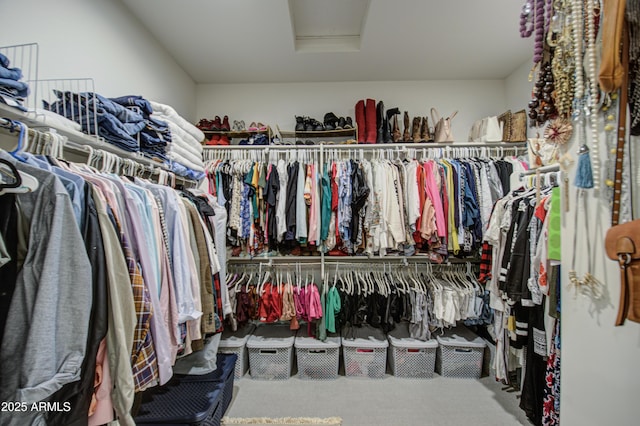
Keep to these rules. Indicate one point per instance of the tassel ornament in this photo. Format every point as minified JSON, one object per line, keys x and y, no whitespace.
{"x":584,"y":171}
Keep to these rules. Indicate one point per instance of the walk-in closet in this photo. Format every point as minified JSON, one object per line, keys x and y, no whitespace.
{"x":338,"y":212}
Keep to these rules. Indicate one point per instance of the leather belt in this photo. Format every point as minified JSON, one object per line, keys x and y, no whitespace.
{"x":622,"y":131}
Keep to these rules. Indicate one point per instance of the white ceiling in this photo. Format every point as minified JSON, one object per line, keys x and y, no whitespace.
{"x":253,"y":41}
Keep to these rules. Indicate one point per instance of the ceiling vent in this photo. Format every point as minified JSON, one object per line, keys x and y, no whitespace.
{"x":328,"y":25}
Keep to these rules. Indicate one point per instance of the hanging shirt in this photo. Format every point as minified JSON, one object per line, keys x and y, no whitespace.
{"x":281,"y":220}
{"x":301,"y":207}
{"x":56,"y":270}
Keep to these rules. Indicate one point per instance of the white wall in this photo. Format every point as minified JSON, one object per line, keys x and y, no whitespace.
{"x":600,"y":378}
{"x":100,"y":40}
{"x":279,"y":103}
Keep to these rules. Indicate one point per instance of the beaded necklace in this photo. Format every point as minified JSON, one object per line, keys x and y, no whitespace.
{"x":594,"y":91}
{"x":526,"y":18}
{"x":536,"y":23}
{"x":562,"y":63}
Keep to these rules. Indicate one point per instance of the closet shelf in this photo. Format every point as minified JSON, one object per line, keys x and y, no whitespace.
{"x":237,"y":134}
{"x":386,"y":146}
{"x":318,"y":134}
{"x":80,"y":142}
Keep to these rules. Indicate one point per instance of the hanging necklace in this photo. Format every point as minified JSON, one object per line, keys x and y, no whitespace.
{"x":526,"y":18}
{"x":562,"y":63}
{"x":594,"y":92}
{"x":584,"y":108}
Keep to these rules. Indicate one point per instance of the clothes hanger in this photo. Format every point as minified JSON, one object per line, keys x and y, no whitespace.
{"x":20,"y":182}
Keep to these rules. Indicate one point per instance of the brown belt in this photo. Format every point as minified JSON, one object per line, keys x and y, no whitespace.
{"x":622,"y":131}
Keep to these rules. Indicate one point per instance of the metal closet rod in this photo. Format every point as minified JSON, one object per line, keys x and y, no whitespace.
{"x":80,"y":141}
{"x":544,"y":169}
{"x":280,"y":260}
{"x":326,"y":146}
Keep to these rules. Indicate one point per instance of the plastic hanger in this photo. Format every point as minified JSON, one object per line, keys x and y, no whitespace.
{"x":21,"y":182}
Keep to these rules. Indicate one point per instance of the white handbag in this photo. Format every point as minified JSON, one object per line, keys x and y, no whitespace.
{"x":488,"y":129}
{"x":492,"y":129}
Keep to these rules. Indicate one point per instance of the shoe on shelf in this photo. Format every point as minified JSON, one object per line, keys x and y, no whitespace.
{"x":348,"y":123}
{"x":309,"y":124}
{"x":204,"y":124}
{"x":262,"y":127}
{"x":224,"y":140}
{"x":300,"y":124}
{"x":309,"y":142}
{"x":225,"y":124}
{"x":341,"y":123}
{"x":253,"y":127}
{"x":330,"y":121}
{"x":216,"y":125}
{"x":215,"y":140}
{"x":318,"y":126}
{"x":299,"y":142}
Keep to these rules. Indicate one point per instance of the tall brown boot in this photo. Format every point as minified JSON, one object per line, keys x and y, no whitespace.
{"x":396,"y":130}
{"x":406,"y":135}
{"x":429,"y":131}
{"x":415,"y":130}
{"x":424,"y":133}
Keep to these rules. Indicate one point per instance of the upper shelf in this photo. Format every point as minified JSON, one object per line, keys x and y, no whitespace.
{"x":237,"y":134}
{"x":318,"y":134}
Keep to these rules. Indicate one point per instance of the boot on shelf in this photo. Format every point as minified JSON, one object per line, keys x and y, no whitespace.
{"x":380,"y":120}
{"x":225,"y":124}
{"x":430,"y":137}
{"x":360,"y":121}
{"x":396,"y":135}
{"x":415,"y":130}
{"x":424,"y":132}
{"x":406,"y":135}
{"x":217,"y":124}
{"x":371,"y":124}
{"x":389,"y":117}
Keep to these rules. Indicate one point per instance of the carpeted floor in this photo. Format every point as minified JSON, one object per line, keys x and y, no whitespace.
{"x":390,"y":401}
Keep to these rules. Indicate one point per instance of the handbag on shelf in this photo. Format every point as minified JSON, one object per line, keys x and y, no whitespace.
{"x":487,"y":129}
{"x":622,"y":243}
{"x":505,"y":120}
{"x":518,"y":126}
{"x":443,"y":132}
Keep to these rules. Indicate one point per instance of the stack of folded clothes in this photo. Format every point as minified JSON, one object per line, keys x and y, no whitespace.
{"x":117,"y":124}
{"x":137,"y":125}
{"x":185,"y":149}
{"x":12,"y":90}
{"x":155,"y":136}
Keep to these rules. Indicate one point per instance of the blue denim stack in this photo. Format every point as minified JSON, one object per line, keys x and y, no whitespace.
{"x":115,"y":123}
{"x":12,"y":90}
{"x":155,"y":136}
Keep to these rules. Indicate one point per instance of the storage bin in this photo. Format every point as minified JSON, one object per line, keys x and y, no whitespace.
{"x":182,"y":403}
{"x":317,"y":360}
{"x":236,"y":343}
{"x":224,"y":373}
{"x":271,"y":352}
{"x":460,"y":354}
{"x":408,"y":357}
{"x":365,"y":357}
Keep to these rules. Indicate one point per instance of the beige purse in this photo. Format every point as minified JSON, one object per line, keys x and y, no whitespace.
{"x":443,"y":131}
